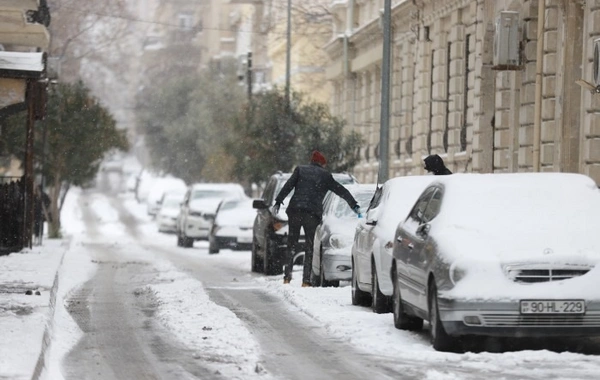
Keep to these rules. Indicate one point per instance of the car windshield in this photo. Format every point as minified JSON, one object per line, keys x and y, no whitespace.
{"x":171,"y":203}
{"x":343,"y":210}
{"x":199,"y":194}
{"x":229,"y":205}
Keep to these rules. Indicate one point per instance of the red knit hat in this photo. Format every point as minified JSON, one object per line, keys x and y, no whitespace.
{"x":318,"y":158}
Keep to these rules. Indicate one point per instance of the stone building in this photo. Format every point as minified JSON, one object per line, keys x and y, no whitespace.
{"x":451,"y":96}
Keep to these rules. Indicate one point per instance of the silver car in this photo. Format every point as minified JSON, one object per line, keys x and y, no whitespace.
{"x":332,"y":261}
{"x":373,"y":240}
{"x":506,"y":255}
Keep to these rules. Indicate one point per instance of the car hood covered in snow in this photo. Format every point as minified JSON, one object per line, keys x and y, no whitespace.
{"x":490,"y":225}
{"x":205,"y":205}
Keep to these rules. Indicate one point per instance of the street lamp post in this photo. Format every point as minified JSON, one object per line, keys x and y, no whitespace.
{"x":288,"y":55}
{"x":384,"y":129}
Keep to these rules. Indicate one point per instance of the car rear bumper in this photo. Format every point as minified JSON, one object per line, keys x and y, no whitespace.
{"x":197,"y":228}
{"x":337,"y":267}
{"x":504,"y":319}
{"x":232,"y":243}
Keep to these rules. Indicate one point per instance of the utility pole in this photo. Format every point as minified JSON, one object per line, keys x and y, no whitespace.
{"x":384,"y":129}
{"x":249,"y":77}
{"x":288,"y":52}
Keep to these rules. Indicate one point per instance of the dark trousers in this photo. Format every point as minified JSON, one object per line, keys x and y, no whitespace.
{"x":296,"y":221}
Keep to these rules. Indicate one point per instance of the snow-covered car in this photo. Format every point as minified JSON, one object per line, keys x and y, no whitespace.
{"x":270,"y":232}
{"x":373,"y":240}
{"x":233,"y":226}
{"x":170,"y":205}
{"x":508,"y":255}
{"x":199,"y":207}
{"x":157,"y":190}
{"x":332,"y":261}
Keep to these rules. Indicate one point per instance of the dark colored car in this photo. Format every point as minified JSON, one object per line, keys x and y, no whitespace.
{"x":269,"y":240}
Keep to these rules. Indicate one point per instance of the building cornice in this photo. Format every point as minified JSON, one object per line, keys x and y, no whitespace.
{"x":444,"y":8}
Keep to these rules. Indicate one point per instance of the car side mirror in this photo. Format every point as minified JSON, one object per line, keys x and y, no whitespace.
{"x":423,"y":230}
{"x":259,"y":204}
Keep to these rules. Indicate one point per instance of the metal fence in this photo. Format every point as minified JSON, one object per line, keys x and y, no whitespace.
{"x":11,"y":214}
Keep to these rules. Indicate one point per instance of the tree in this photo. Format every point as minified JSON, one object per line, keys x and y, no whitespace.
{"x":185,"y":120}
{"x":79,"y":132}
{"x":272,"y":139}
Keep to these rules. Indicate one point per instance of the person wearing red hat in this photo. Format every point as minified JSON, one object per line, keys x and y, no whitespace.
{"x":310,"y":184}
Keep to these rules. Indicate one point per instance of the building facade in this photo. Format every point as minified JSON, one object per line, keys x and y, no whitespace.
{"x":450,"y":94}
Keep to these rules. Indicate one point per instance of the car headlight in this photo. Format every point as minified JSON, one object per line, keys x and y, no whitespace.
{"x":338,"y":241}
{"x":457,"y":273}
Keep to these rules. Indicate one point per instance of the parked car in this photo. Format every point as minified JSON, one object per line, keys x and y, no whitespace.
{"x":157,"y":190}
{"x":372,"y":247}
{"x":269,"y":232}
{"x":199,"y":207}
{"x":332,"y":260}
{"x":233,"y":226}
{"x":507,"y":255}
{"x":170,"y":205}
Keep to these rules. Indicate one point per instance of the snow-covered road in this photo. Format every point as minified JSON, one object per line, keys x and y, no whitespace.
{"x":137,"y":304}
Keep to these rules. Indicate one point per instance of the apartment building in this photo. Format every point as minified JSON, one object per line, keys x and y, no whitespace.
{"x":464,"y":84}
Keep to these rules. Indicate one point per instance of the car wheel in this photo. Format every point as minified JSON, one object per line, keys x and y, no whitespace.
{"x":402,"y":320}
{"x":439,"y":338}
{"x":272,"y":261}
{"x":179,"y":240}
{"x":213,"y":246}
{"x":358,"y":296}
{"x":380,"y":303}
{"x":256,"y":261}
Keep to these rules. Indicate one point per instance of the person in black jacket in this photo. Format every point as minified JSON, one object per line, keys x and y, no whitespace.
{"x":311,"y":183}
{"x":435,"y":164}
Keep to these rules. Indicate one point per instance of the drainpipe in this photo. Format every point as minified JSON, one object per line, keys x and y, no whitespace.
{"x":537,"y":126}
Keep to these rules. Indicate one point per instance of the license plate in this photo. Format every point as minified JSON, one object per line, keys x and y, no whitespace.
{"x":552,"y":307}
{"x":244,"y":239}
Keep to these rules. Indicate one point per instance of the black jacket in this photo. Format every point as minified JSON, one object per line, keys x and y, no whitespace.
{"x":312,"y":182}
{"x":435,"y":164}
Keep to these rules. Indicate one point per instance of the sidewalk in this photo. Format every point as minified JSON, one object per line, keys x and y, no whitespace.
{"x":28,"y":283}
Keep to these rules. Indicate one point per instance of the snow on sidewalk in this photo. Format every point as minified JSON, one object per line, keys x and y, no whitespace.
{"x":24,"y":318}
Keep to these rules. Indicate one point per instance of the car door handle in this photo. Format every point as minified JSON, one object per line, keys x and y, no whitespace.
{"x":411,"y":245}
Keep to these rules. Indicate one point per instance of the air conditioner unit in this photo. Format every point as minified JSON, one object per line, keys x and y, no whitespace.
{"x":506,"y":41}
{"x":596,"y":62}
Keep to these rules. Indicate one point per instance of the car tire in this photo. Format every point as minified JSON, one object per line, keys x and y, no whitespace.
{"x":272,"y":261}
{"x":213,"y":246}
{"x":179,"y":240}
{"x":257,"y":265}
{"x":359,"y":297}
{"x":402,"y":320}
{"x":380,"y":303}
{"x":440,"y":340}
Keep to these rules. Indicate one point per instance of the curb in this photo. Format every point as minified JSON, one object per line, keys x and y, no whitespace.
{"x":46,"y":339}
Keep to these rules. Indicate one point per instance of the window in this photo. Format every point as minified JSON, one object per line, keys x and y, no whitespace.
{"x":418,"y":210}
{"x":433,"y":208}
{"x":185,"y":21}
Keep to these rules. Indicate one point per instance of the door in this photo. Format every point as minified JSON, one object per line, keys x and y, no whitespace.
{"x":411,"y":242}
{"x":423,"y":254}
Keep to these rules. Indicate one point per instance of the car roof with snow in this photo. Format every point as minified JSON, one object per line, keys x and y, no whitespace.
{"x":504,"y":214}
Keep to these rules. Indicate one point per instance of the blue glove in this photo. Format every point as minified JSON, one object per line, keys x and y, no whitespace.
{"x":356,"y":210}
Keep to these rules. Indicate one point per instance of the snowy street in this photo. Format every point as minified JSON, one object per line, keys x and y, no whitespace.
{"x":133,"y":305}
